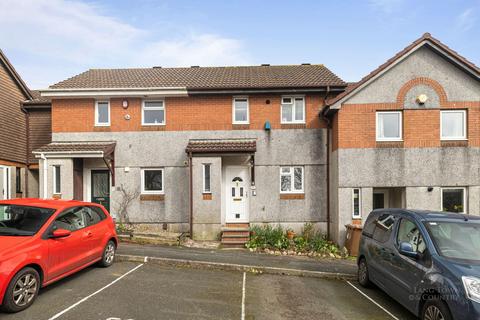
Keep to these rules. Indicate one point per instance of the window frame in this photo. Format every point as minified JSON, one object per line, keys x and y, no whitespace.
{"x":18,"y":180}
{"x":400,"y":126}
{"x":54,"y":174}
{"x":359,"y":216}
{"x":102,"y":124}
{"x":464,"y":137}
{"x":154,"y":108}
{"x":292,"y":181}
{"x":234,"y":121}
{"x":293,"y":109}
{"x":142,"y":181}
{"x":204,"y":189}
{"x":465,"y":199}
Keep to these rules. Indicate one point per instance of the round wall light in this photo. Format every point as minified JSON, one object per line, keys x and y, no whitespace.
{"x":421,"y":99}
{"x":125,"y":104}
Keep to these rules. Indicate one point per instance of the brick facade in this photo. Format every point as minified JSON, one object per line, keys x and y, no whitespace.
{"x":182,"y":113}
{"x":354,"y":125}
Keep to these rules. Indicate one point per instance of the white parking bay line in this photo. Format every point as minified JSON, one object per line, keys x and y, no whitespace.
{"x":96,"y":292}
{"x":373,"y":301}
{"x":243,"y":295}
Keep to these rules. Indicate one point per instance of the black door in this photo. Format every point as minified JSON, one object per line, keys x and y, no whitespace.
{"x":101,"y":188}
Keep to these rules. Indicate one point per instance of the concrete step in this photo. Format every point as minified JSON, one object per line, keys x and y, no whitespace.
{"x":235,"y":240}
{"x":238,"y":225}
{"x":236,"y":229}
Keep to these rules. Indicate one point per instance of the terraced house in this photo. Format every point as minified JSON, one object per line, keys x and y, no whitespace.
{"x":196,"y":148}
{"x":211,"y":150}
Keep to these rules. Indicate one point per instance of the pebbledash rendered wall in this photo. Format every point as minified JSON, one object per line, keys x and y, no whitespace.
{"x":414,"y":168}
{"x":166,"y":149}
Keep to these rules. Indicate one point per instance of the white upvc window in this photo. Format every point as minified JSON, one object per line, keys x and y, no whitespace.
{"x":389,"y":125}
{"x":57,"y":181}
{"x":152,"y":180}
{"x":293,"y":109}
{"x":454,"y":199}
{"x":240,"y":110}
{"x":206,"y":178}
{"x":453,"y":125}
{"x":153,"y":112}
{"x":356,"y":203}
{"x":102,"y":113}
{"x":291,"y":180}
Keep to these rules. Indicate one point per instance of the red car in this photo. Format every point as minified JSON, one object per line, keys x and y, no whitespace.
{"x":42,"y":241}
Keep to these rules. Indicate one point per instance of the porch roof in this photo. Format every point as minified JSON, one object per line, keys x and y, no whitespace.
{"x":76,"y":149}
{"x":221,"y":145}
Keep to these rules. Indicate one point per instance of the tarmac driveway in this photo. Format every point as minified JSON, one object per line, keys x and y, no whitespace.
{"x":148,"y":291}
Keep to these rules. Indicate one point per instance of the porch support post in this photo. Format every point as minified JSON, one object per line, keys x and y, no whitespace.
{"x":191,"y":193}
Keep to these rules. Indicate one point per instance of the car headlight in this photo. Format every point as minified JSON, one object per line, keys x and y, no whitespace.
{"x":472,"y":288}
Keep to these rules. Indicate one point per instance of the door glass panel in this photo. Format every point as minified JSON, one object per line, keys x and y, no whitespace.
{"x":233,"y":191}
{"x":241,"y":191}
{"x":101,"y":188}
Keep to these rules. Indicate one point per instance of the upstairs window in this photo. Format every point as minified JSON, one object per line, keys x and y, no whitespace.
{"x":152,"y":181}
{"x":293,"y":110}
{"x":153,"y":113}
{"x":102,"y":113}
{"x":240,"y":111}
{"x":389,"y":126}
{"x":291,"y":179}
{"x":453,"y":125}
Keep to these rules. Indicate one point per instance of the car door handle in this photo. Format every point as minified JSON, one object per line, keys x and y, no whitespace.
{"x":88,"y":234}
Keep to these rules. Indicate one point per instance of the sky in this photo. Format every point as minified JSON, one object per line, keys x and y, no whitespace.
{"x":51,"y":40}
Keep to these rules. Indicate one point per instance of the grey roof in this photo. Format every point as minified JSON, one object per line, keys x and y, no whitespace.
{"x":77,"y":147}
{"x":206,"y":78}
{"x":221,"y":145}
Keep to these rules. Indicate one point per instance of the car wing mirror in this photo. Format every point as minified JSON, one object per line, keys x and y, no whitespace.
{"x":60,"y":233}
{"x":406,"y":249}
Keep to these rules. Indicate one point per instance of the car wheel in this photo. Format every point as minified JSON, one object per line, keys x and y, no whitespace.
{"x":108,"y":254}
{"x":363,"y":277}
{"x":22,"y":290}
{"x":435,"y":309}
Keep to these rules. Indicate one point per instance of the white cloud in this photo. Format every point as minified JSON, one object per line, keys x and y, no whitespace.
{"x":466,"y":20}
{"x":55,"y":37}
{"x":386,"y":6}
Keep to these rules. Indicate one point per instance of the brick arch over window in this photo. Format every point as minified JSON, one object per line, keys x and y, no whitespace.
{"x":437,"y":87}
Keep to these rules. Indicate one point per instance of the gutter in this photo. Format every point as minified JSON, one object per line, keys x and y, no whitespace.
{"x":27,"y":153}
{"x":191,"y":194}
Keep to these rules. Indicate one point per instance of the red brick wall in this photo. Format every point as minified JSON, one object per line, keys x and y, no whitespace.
{"x":182,"y":113}
{"x":354,"y":124}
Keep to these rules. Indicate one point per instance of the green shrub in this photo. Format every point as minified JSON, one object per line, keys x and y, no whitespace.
{"x":267,"y":237}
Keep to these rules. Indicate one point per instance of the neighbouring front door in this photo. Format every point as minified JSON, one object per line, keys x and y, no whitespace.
{"x":101,"y":188}
{"x":237,"y":182}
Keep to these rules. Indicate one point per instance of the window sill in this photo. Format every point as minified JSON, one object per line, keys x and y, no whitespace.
{"x":240,"y":126}
{"x":294,"y":125}
{"x":152,"y":197}
{"x":102,"y":128}
{"x":207,"y":196}
{"x":292,"y":196}
{"x":454,"y":143}
{"x":389,"y":144}
{"x":153,"y":127}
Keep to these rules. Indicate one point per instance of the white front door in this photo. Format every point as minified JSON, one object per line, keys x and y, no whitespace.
{"x":238,"y":186}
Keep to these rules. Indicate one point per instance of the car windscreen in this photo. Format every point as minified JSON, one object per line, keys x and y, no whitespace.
{"x":456,"y":240}
{"x":17,"y":220}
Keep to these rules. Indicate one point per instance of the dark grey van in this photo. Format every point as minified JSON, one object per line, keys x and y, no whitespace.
{"x":427,"y":261}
